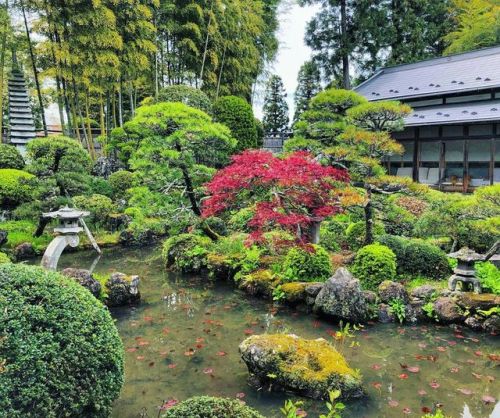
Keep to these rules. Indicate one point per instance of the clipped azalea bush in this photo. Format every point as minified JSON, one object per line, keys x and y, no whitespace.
{"x":60,"y":352}
{"x":356,"y":234}
{"x":186,"y":252}
{"x":373,"y":264}
{"x":14,"y":186}
{"x":10,"y":157}
{"x":211,"y":407}
{"x":308,"y":264}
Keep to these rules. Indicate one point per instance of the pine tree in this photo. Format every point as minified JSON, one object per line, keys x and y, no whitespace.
{"x":276,"y":117}
{"x":309,"y":85}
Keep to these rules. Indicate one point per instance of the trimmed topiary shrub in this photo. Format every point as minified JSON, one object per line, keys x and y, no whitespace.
{"x":479,"y":234}
{"x":236,"y":113}
{"x":333,"y":234}
{"x":374,"y":264}
{"x":99,"y":206}
{"x":120,"y":181}
{"x":14,"y":187}
{"x":10,"y":157}
{"x":417,"y":258}
{"x":186,"y":94}
{"x":61,"y":354}
{"x":356,"y":233}
{"x":186,"y":252}
{"x":209,"y":407}
{"x":311,"y":264}
{"x":4,"y":258}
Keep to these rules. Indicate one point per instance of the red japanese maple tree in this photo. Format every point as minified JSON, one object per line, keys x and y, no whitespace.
{"x":291,"y":192}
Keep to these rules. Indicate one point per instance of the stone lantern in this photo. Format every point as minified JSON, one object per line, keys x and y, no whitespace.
{"x":465,"y":271}
{"x":67,"y":234}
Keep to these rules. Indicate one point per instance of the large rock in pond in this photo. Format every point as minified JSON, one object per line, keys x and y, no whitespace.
{"x":24,"y":251}
{"x":447,"y":311}
{"x":122,"y":290}
{"x":309,"y":368}
{"x":84,"y":278}
{"x":341,"y":297}
{"x":389,"y":291}
{"x":475,"y":302}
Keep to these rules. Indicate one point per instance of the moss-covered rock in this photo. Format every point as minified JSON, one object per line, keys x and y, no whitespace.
{"x":260,"y":282}
{"x":222,"y":266}
{"x":186,"y":253}
{"x":307,"y":367}
{"x":295,"y":292}
{"x":209,"y":407}
{"x":474,"y":301}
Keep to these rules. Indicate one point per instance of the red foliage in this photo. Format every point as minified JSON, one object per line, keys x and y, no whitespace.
{"x":288,"y":192}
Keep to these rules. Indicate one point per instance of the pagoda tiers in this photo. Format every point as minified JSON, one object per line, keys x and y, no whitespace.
{"x":452,"y":137}
{"x":21,"y":122}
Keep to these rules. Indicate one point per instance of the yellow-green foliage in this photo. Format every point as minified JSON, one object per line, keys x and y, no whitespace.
{"x":374,"y":264}
{"x":4,"y":258}
{"x":294,"y":291}
{"x":186,"y":252}
{"x":13,"y":186}
{"x":307,"y":264}
{"x":20,"y":232}
{"x":260,"y":282}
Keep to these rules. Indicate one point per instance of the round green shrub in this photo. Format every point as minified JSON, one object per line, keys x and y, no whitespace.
{"x":356,"y":234}
{"x":307,"y":265}
{"x":188,"y":95}
{"x":398,"y":221}
{"x":374,"y":264}
{"x":101,"y":186}
{"x":14,"y":187}
{"x":479,"y":234}
{"x":398,"y":247}
{"x":4,"y":258}
{"x":209,"y":407}
{"x":120,"y":181}
{"x":186,"y":252}
{"x":99,"y":206}
{"x":424,"y":259}
{"x":236,"y":113}
{"x":333,"y":234}
{"x":10,"y":157}
{"x":61,"y":352}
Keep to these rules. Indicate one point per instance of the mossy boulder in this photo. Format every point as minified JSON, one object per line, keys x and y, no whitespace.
{"x":475,"y":302}
{"x":309,"y":368}
{"x":186,"y":253}
{"x":210,"y":407}
{"x":222,"y":266}
{"x":85,"y":279}
{"x":259,"y":282}
{"x":122,"y":290}
{"x":297,"y":292}
{"x":389,"y":291}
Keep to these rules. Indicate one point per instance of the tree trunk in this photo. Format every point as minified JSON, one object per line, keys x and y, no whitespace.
{"x":3,"y":51}
{"x":205,"y":50}
{"x":368,"y":216}
{"x":90,"y":140}
{"x":35,"y":70}
{"x":120,"y":104}
{"x":346,"y":78}
{"x":42,"y":223}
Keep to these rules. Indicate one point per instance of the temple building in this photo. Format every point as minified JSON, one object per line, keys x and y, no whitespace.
{"x":452,"y":137}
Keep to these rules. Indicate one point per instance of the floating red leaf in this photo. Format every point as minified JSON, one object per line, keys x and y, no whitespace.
{"x":240,"y":395}
{"x":413,"y":369}
{"x":465,"y":391}
{"x":248,"y":331}
{"x":434,"y":384}
{"x":376,"y":366}
{"x":403,"y":376}
{"x":487,"y":399}
{"x":422,"y":392}
{"x":221,"y":353}
{"x":392,"y":403}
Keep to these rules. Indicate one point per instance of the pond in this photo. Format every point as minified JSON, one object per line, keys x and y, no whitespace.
{"x":183,"y":341}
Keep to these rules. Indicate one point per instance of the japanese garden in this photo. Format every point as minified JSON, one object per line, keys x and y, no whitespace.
{"x":248,"y":209}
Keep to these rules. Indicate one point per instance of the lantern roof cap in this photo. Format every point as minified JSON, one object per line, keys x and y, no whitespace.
{"x":66,"y":213}
{"x":466,"y":254}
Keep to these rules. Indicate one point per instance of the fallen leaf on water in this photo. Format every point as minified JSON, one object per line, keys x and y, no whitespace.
{"x":442,"y":349}
{"x":377,"y":385}
{"x":189,"y":353}
{"x":478,"y":353}
{"x":452,"y":343}
{"x":172,"y":366}
{"x":490,"y":378}
{"x":240,"y":395}
{"x":392,"y":403}
{"x":376,"y":366}
{"x":221,"y":353}
{"x":300,"y":413}
{"x":148,"y":318}
{"x":403,"y":376}
{"x":200,"y":340}
{"x":465,"y":391}
{"x":477,"y":375}
{"x":487,"y":399}
{"x":165,"y":331}
{"x":422,"y":392}
{"x":143,"y":343}
{"x":140,"y":357}
{"x":248,"y":331}
{"x":454,"y":370}
{"x":169,"y":404}
{"x":471,"y":361}
{"x":407,"y":411}
{"x":208,"y":370}
{"x":413,"y":369}
{"x":131,"y":349}
{"x":434,"y":384}
{"x":494,"y":357}
{"x":422,"y":345}
{"x":426,"y":410}
{"x":163,"y":353}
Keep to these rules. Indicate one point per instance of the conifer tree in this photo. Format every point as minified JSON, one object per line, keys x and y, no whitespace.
{"x":309,"y":85}
{"x":276,"y":117}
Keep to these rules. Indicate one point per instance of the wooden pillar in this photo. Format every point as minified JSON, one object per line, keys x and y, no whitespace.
{"x":442,"y":161}
{"x":465,"y":171}
{"x":416,"y":154}
{"x":492,"y":152}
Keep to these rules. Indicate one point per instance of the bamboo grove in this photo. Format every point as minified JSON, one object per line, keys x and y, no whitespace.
{"x":103,"y":57}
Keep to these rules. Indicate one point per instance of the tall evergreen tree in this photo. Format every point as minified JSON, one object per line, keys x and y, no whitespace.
{"x":276,"y":117}
{"x":344,"y":34}
{"x":417,"y":29}
{"x":477,"y":25}
{"x":309,"y":85}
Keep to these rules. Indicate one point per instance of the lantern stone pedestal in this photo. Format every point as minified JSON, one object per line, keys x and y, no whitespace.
{"x":67,"y":230}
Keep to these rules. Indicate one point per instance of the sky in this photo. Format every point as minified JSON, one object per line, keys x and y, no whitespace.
{"x":292,"y":50}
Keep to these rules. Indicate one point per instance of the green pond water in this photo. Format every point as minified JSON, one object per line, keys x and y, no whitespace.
{"x":182,"y":340}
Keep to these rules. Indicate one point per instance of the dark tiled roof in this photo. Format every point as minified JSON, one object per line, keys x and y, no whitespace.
{"x":471,"y":71}
{"x":455,"y":113}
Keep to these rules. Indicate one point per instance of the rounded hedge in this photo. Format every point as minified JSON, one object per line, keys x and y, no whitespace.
{"x":10,"y":157}
{"x":307,"y":265}
{"x":120,"y":181}
{"x":61,"y":352}
{"x":356,"y":234}
{"x":417,"y":258}
{"x":186,"y":94}
{"x":374,"y":264}
{"x":4,"y":258}
{"x":236,"y":113}
{"x":14,"y":187}
{"x":186,"y":252}
{"x":99,"y":206}
{"x":210,"y":407}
